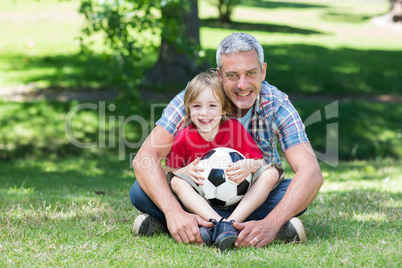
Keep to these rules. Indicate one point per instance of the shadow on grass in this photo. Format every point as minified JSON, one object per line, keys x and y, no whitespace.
{"x":343,"y":17}
{"x":297,"y":68}
{"x":39,"y":129}
{"x":364,"y":130}
{"x":96,"y":174}
{"x":73,"y":72}
{"x":308,"y":69}
{"x":276,"y":4}
{"x":263,"y":27}
{"x":328,"y":15}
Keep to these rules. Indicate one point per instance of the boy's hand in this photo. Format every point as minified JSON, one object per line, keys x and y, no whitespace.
{"x":238,"y":171}
{"x":191,"y":171}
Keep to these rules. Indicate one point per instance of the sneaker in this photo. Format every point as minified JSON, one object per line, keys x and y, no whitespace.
{"x":207,"y":233}
{"x":146,"y":225}
{"x":225,"y":234}
{"x":292,"y":231}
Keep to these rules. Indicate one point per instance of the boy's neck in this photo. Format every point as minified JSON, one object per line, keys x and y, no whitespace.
{"x":208,"y":136}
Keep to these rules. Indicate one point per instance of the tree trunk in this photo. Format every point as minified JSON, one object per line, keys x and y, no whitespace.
{"x":175,"y":67}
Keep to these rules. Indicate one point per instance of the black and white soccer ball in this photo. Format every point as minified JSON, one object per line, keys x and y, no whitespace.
{"x":220,"y":191}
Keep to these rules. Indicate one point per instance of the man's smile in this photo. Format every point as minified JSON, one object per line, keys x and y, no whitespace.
{"x":243,"y":94}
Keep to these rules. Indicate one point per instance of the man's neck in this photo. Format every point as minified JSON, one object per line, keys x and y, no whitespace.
{"x":240,"y":113}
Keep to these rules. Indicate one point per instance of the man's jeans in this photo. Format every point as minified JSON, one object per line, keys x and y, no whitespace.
{"x":144,"y":204}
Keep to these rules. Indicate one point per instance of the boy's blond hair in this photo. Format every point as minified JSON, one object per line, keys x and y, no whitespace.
{"x":200,"y":82}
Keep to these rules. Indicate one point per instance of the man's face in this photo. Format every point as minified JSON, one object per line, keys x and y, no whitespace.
{"x":242,"y":76}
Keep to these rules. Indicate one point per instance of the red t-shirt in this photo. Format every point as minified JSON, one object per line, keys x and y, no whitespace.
{"x":189,"y":144}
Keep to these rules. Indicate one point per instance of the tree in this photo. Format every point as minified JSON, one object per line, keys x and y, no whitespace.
{"x":129,"y":28}
{"x":225,"y":8}
{"x":180,"y":44}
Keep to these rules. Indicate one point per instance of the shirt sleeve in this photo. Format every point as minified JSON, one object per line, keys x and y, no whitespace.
{"x":173,"y":114}
{"x":290,"y":128}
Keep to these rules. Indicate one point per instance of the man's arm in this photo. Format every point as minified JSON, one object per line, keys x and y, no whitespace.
{"x":299,"y":195}
{"x":150,"y":176}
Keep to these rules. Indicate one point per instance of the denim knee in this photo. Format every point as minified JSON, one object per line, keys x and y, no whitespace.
{"x":144,"y":204}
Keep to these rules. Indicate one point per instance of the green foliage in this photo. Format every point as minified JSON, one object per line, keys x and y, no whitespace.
{"x":122,"y":24}
{"x":132,"y":29}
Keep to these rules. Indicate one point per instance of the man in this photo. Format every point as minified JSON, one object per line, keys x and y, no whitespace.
{"x":269,"y":116}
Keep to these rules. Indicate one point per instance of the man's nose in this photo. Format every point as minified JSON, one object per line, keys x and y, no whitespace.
{"x":242,"y":83}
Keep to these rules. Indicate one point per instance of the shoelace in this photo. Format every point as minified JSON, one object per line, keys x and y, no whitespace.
{"x":217,"y":226}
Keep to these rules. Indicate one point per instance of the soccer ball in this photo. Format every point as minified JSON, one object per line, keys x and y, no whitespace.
{"x":220,"y":191}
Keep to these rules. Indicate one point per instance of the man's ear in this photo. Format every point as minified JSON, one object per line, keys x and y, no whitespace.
{"x":219,"y":74}
{"x":263,"y":71}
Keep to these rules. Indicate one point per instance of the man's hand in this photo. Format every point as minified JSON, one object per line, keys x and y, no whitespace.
{"x":255,"y":233}
{"x":184,"y":227}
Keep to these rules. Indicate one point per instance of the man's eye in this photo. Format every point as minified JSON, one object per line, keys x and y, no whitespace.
{"x":251,"y":73}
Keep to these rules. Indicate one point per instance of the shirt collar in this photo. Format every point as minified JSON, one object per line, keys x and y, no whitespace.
{"x":257,"y":103}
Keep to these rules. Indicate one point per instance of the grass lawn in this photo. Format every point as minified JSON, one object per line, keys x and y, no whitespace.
{"x":76,"y":212}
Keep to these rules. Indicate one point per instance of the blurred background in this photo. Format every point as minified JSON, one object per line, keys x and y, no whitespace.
{"x":132,"y":57}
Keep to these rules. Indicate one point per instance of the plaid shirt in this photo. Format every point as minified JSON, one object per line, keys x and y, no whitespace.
{"x":273,"y":119}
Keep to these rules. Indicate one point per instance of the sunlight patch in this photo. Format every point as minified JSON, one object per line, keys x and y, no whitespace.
{"x":20,"y":191}
{"x":370,"y":217}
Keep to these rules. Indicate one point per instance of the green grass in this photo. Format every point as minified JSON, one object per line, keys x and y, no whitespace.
{"x":76,"y":212}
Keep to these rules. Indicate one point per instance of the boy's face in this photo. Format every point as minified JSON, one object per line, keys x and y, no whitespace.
{"x":242,"y":75}
{"x":206,"y":112}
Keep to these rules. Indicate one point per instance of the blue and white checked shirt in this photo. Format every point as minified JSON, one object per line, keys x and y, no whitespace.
{"x":273,"y":119}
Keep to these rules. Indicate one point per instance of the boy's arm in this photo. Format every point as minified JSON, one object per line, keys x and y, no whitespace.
{"x":169,"y":169}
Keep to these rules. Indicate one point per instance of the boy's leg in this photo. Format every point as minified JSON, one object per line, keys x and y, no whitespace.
{"x":274,"y":197}
{"x":191,"y":200}
{"x":256,"y":195}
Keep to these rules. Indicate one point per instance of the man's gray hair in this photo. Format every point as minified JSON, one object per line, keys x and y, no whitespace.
{"x":239,"y":42}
